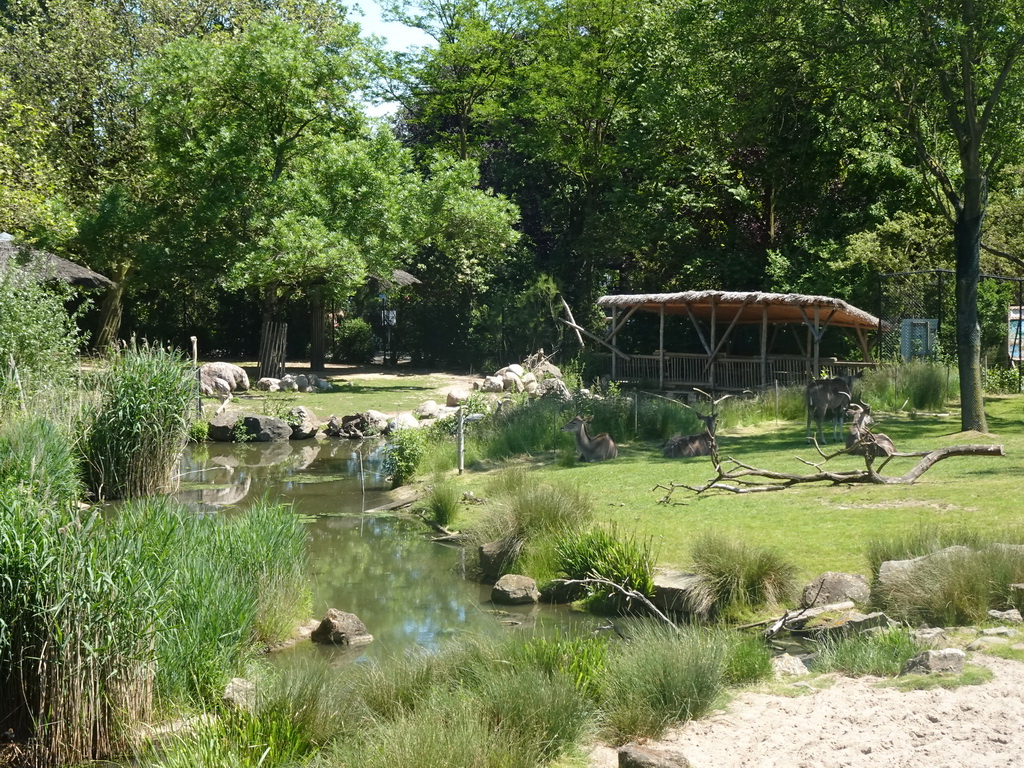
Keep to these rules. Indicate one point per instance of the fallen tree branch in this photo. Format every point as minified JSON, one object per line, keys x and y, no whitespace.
{"x":733,"y":476}
{"x":630,"y":593}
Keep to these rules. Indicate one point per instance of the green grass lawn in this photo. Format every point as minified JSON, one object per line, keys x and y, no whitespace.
{"x":819,"y":527}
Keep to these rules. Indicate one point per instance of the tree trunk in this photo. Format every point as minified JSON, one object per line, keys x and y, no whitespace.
{"x":317,"y":332}
{"x":111,"y":310}
{"x":967,"y":241}
{"x":273,"y":338}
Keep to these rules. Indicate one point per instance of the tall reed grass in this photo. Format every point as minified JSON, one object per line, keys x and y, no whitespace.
{"x":927,"y":539}
{"x":103,"y":619}
{"x":606,"y":554}
{"x":140,"y":427}
{"x":918,"y":385}
{"x":882,"y":654}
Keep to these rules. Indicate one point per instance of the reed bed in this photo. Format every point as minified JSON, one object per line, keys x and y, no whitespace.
{"x":134,"y":438}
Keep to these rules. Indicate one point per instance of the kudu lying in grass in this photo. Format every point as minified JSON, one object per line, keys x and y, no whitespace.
{"x":596,"y":448}
{"x":861,"y":440}
{"x":684,"y":446}
{"x":827,"y":399}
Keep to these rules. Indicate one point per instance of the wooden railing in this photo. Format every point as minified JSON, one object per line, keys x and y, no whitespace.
{"x":727,"y":373}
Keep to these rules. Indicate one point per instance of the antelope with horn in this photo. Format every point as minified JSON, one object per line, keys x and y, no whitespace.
{"x":701,"y":444}
{"x":596,"y":448}
{"x":861,"y":440}
{"x":827,"y":398}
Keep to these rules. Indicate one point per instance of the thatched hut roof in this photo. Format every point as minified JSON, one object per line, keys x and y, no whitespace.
{"x":48,"y":266}
{"x":749,"y":306}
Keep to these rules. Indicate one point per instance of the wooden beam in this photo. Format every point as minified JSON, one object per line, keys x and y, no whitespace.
{"x":572,"y":320}
{"x":661,"y":349}
{"x":700,"y":332}
{"x":764,"y":345}
{"x":616,"y":327}
{"x":732,"y":325}
{"x":596,"y":338}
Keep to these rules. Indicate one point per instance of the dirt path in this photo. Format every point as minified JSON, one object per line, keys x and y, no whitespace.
{"x":854,"y":724}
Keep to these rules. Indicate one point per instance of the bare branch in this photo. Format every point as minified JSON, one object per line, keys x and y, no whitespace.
{"x":632,"y":594}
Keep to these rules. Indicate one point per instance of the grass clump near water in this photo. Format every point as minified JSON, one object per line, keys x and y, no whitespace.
{"x":606,"y":555}
{"x":880,"y":654}
{"x":926,"y":540}
{"x":136,"y":434}
{"x":737,"y":578}
{"x":529,"y":516}
{"x":441,"y":503}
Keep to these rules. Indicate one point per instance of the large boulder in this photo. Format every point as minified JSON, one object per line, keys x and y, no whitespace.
{"x":679,"y":592}
{"x":429,"y":409}
{"x":641,"y":756}
{"x":268,"y":384}
{"x":513,"y":589}
{"x":492,"y":384}
{"x":553,"y":388}
{"x":456,"y":397}
{"x":495,"y":557}
{"x":947,"y":661}
{"x":376,"y":422}
{"x":265,"y":429}
{"x":341,"y":628}
{"x":209,"y":374}
{"x":222,"y":427}
{"x":835,"y":587}
{"x":403,"y":420}
{"x":303,"y":422}
{"x":892,"y":573}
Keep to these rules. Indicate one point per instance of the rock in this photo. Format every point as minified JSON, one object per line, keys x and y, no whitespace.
{"x":492,"y":384}
{"x":376,"y":423}
{"x":495,"y":556}
{"x":804,"y":616}
{"x":240,"y":694}
{"x":303,"y":422}
{"x":788,"y":666}
{"x":516,"y":369}
{"x":402,"y":420}
{"x":637,"y":756}
{"x":302,"y":382}
{"x":678,"y":592}
{"x":324,"y":385}
{"x":510,"y":382}
{"x":1011,"y":616}
{"x":266,"y":429}
{"x":999,"y":632}
{"x":851,"y":623}
{"x":288,"y":383}
{"x":268,"y":384}
{"x":512,"y":589}
{"x":222,"y":426}
{"x":832,"y":587}
{"x":547,"y":370}
{"x":429,"y":409}
{"x":236,"y":378}
{"x":456,"y":397}
{"x":929,"y":636}
{"x":892,"y":572}
{"x":341,"y":628}
{"x":987,"y":641}
{"x":948,"y":660}
{"x":553,"y":388}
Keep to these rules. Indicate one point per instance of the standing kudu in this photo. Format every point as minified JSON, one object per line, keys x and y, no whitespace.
{"x":596,"y":448}
{"x":827,"y":399}
{"x":685,"y":446}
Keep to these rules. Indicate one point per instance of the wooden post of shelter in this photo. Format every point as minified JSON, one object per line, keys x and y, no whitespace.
{"x":615,"y":317}
{"x":661,"y":349}
{"x":712,"y":351}
{"x":764,"y":345}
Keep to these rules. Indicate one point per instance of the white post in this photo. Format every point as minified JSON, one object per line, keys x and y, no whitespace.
{"x":195,"y":364}
{"x":462,"y":437}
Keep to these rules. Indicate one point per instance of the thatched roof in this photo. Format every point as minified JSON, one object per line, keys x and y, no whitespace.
{"x":781,"y":307}
{"x":48,"y":266}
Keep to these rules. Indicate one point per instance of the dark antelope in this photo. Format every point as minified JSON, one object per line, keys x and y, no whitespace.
{"x":827,"y":399}
{"x":596,"y":448}
{"x":684,"y":446}
{"x":861,"y":440}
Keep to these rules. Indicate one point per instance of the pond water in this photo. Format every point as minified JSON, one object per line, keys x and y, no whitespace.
{"x":409,"y":591}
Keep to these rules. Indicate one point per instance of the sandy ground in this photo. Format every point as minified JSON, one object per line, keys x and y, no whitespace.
{"x":853,"y":724}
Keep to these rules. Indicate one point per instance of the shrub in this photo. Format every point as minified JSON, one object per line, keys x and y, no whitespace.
{"x":354,"y":342}
{"x":919,"y":384}
{"x":402,"y":455}
{"x":134,"y":439}
{"x":604,"y":554}
{"x":926,"y":540}
{"x":38,"y":458}
{"x":882,"y":654}
{"x":36,"y":332}
{"x":737,"y":577}
{"x":748,"y":659}
{"x":661,"y":676}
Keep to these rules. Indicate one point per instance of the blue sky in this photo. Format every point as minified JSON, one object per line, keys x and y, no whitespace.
{"x":398,"y":36}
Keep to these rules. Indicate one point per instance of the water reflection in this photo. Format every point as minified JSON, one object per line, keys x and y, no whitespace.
{"x":409,"y":591}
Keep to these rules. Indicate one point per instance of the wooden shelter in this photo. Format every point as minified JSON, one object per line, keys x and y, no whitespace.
{"x":47,"y":266}
{"x":715,"y":316}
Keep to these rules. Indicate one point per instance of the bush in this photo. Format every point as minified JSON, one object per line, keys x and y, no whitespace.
{"x":354,"y":342}
{"x":919,"y":384}
{"x":36,"y":332}
{"x":926,"y":540}
{"x":38,"y":458}
{"x":402,"y":455}
{"x":133,"y":440}
{"x":748,"y":659}
{"x":738,"y":577}
{"x":442,"y":502}
{"x":604,"y":554}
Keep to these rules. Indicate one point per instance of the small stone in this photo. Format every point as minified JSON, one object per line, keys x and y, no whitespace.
{"x":513,"y":589}
{"x":636,"y":756}
{"x":1011,"y":616}
{"x":999,"y":632}
{"x":240,"y":694}
{"x":341,"y":628}
{"x":948,"y":660}
{"x":788,"y":666}
{"x":987,"y":642}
